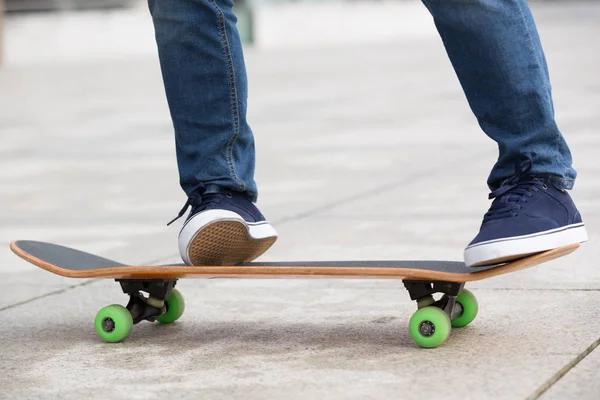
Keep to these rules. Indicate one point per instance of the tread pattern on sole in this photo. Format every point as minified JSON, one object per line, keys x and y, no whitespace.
{"x":226,"y":243}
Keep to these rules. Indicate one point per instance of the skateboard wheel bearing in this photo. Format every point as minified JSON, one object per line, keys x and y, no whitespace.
{"x":113,"y":323}
{"x":429,"y":327}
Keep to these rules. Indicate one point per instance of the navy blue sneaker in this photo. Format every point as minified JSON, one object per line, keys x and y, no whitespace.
{"x":223,"y":229}
{"x":528,"y":215}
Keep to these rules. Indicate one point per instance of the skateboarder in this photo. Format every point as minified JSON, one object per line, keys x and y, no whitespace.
{"x":497,"y":55}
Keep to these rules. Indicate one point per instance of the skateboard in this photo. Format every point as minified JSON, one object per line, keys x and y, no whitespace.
{"x":153,"y":297}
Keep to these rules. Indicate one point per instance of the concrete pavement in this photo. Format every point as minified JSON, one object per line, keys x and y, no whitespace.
{"x":365,"y":151}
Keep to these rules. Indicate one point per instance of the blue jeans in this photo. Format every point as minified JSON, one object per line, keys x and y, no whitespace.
{"x":492,"y":44}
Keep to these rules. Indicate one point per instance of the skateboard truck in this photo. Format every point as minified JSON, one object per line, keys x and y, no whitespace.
{"x":431,"y":324}
{"x":164,"y":304}
{"x":151,"y":307}
{"x":423,"y":291}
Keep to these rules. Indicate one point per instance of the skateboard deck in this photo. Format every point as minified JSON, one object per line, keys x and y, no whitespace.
{"x":153,"y":297}
{"x":74,"y":263}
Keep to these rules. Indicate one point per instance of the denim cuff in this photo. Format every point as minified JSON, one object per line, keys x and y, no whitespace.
{"x":556,"y":181}
{"x":211,"y":189}
{"x":559,"y":183}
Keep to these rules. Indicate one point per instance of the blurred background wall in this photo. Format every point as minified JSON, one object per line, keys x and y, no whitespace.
{"x":262,"y":23}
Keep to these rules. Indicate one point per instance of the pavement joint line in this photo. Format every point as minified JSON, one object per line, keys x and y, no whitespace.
{"x":376,"y":191}
{"x":59,"y":291}
{"x":563,"y":371}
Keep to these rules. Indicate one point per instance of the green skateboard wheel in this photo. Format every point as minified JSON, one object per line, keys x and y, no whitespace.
{"x":470,"y":307}
{"x":175,"y":306}
{"x":429,"y":327}
{"x":113,"y":323}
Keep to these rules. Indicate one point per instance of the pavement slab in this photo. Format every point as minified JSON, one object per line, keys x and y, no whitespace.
{"x":293,"y":339}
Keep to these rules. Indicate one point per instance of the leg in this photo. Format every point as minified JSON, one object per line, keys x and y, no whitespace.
{"x":498,"y":58}
{"x":206,"y":86}
{"x":497,"y":55}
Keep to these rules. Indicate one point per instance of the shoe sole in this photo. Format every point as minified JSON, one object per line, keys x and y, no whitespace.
{"x":219,"y":237}
{"x":509,"y":249}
